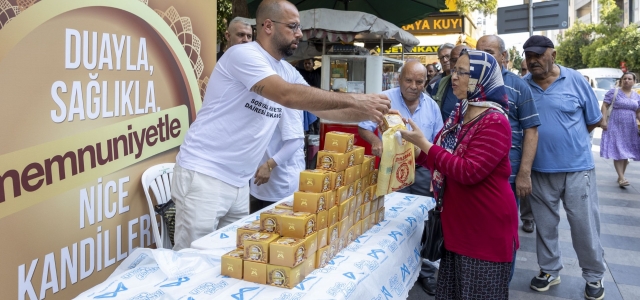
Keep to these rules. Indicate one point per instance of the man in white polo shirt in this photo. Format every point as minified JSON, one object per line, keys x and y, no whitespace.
{"x":242,"y":106}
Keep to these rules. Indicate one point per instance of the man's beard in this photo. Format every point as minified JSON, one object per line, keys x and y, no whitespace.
{"x":284,"y":47}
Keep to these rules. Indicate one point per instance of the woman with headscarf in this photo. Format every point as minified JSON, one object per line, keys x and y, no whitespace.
{"x":470,"y":163}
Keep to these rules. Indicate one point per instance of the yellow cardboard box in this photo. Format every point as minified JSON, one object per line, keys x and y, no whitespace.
{"x":288,"y":252}
{"x":358,"y":229}
{"x":352,"y":205}
{"x":256,"y":247}
{"x":373,"y":177}
{"x":366,"y":209}
{"x":359,"y":151}
{"x":342,"y":194}
{"x":311,"y":243}
{"x":286,"y":205}
{"x":232,"y":263}
{"x":245,"y":232}
{"x":391,"y":120}
{"x":365,"y":182}
{"x":285,"y":277}
{"x":332,"y":161}
{"x":380,"y":202}
{"x":310,"y":202}
{"x":334,"y":215}
{"x":360,"y":212}
{"x":310,"y":265}
{"x":322,"y":237}
{"x":270,"y":220}
{"x":255,"y":272}
{"x":358,"y":186}
{"x":350,"y":175}
{"x":341,"y":142}
{"x":365,"y":167}
{"x":333,"y":233}
{"x":358,"y":171}
{"x":351,"y":191}
{"x":315,"y":181}
{"x":343,"y":209}
{"x":337,"y":179}
{"x":322,"y":219}
{"x":359,"y":199}
{"x":331,"y":199}
{"x":322,"y":257}
{"x":371,"y":160}
{"x":342,"y":242}
{"x":297,"y":224}
{"x":374,"y":206}
{"x":380,"y":215}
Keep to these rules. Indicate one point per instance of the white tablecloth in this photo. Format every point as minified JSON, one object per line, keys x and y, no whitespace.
{"x":382,"y":263}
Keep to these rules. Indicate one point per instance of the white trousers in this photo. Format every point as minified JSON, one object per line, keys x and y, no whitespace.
{"x":204,"y":204}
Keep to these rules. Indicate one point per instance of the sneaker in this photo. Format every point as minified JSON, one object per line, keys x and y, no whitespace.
{"x":543,"y":281}
{"x":594,"y":290}
{"x":528,"y":226}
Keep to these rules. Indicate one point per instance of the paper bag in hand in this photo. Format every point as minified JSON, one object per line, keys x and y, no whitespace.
{"x":397,"y":165}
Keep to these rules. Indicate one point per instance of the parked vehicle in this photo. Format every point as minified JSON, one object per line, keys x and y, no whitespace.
{"x":601,"y":80}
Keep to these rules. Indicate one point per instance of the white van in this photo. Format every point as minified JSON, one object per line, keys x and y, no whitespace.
{"x":601,"y":79}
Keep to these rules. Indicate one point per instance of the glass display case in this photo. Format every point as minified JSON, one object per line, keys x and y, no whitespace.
{"x":359,"y":74}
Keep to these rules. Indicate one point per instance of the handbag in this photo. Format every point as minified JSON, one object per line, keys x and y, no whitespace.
{"x":432,"y":236}
{"x":167,"y":212}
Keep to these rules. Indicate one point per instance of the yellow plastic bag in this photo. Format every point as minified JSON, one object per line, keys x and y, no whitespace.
{"x":397,"y":168}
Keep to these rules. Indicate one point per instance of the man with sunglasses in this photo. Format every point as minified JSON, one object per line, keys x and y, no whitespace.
{"x":249,"y":90}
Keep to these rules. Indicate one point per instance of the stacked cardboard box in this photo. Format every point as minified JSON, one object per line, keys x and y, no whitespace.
{"x":334,"y":205}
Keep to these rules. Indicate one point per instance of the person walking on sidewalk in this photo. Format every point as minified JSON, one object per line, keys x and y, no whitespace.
{"x":563,"y":171}
{"x":620,"y":140}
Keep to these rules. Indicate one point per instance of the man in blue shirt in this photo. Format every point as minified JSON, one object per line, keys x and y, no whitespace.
{"x":444,"y":96}
{"x":524,"y":120}
{"x":563,"y":171}
{"x":412,"y":103}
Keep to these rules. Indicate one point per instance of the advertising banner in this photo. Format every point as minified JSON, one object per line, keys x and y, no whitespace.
{"x":93,"y":93}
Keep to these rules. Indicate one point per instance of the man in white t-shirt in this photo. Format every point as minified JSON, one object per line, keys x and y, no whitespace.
{"x":242,"y":106}
{"x":280,"y":167}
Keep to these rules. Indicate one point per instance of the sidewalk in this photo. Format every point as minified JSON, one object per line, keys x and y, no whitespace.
{"x":620,"y":237}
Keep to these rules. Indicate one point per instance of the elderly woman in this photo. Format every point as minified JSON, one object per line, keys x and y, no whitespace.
{"x":470,"y":159}
{"x":620,"y":134}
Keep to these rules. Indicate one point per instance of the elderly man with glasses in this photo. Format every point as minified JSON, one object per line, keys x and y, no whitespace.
{"x":442,"y":92}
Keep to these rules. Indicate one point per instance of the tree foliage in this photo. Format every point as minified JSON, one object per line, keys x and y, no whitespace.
{"x":601,"y":45}
{"x":224,"y":16}
{"x":486,"y":7}
{"x":515,"y":57}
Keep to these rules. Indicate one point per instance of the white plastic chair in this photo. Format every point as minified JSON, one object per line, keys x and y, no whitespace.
{"x":158,"y":179}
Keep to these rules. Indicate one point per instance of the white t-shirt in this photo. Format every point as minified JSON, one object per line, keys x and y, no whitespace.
{"x":233,"y":128}
{"x":285,"y":177}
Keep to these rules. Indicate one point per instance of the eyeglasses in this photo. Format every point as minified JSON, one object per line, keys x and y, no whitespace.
{"x":460,"y":73}
{"x":447,"y":57}
{"x":293,"y":26}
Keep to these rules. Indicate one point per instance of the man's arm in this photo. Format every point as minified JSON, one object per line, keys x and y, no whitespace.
{"x":360,"y":106}
{"x":529,"y":147}
{"x":373,"y":139}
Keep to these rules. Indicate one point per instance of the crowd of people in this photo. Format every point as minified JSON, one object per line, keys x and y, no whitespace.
{"x":494,"y":147}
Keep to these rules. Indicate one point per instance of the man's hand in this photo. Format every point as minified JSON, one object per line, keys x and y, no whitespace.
{"x":262,"y":174}
{"x":523,"y":185}
{"x":374,"y":105}
{"x":376,"y":148}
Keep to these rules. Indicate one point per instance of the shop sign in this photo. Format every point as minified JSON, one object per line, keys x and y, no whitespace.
{"x":441,"y":24}
{"x":94,"y":92}
{"x":416,"y":49}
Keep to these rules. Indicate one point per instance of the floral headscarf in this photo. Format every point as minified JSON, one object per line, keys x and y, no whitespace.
{"x":486,"y":89}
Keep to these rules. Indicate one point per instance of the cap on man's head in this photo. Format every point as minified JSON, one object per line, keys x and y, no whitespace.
{"x":537,"y":44}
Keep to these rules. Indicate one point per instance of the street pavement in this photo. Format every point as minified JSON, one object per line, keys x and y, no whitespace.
{"x":620,"y":238}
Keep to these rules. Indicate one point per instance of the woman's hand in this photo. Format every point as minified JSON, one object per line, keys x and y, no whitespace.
{"x":603,"y":125}
{"x":416,"y":137}
{"x":262,"y":174}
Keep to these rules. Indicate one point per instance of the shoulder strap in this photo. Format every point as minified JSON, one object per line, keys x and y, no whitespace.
{"x":442,"y":87}
{"x":615,"y":95}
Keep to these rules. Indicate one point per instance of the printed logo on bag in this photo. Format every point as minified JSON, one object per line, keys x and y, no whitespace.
{"x":344,"y":288}
{"x":140,"y":273}
{"x":149,"y":296}
{"x":209,"y":288}
{"x":179,"y":282}
{"x":240,"y":294}
{"x":119,"y":288}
